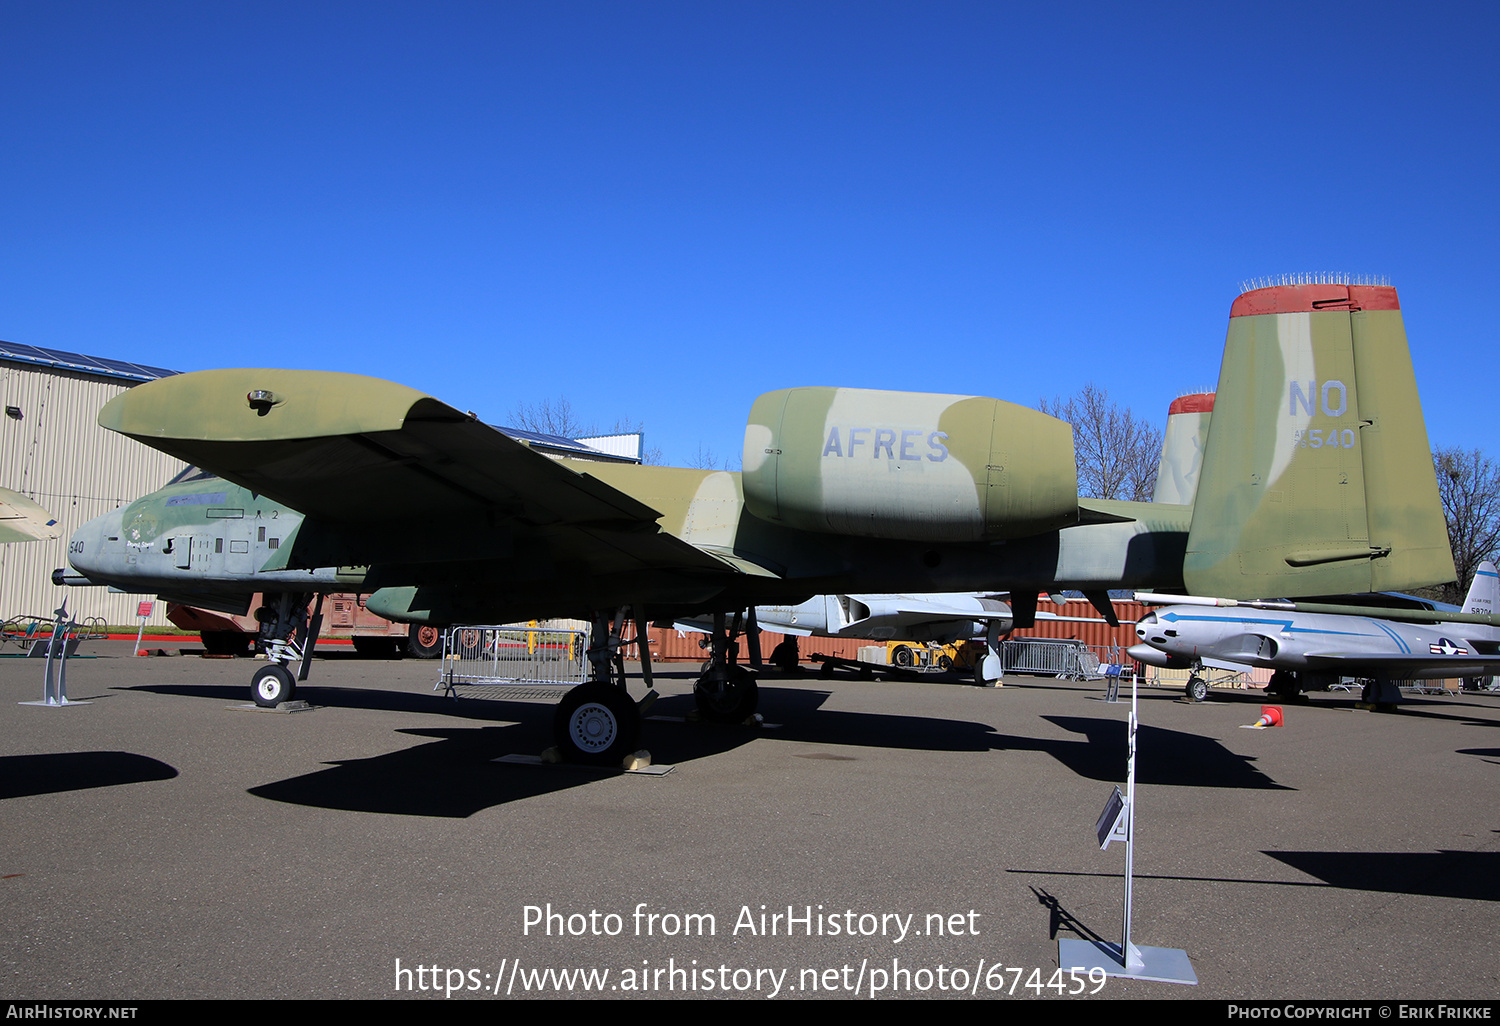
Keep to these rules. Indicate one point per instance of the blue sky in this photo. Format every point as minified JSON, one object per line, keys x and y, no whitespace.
{"x":661,"y":210}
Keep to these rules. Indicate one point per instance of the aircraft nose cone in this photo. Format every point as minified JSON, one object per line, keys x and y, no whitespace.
{"x":86,"y":547}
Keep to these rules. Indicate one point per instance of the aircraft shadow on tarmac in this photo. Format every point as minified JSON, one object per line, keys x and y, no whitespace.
{"x":335,"y":697}
{"x":1164,"y":756}
{"x":1489,"y":755}
{"x":22,"y":775}
{"x":454,"y":776}
{"x":1471,"y":875}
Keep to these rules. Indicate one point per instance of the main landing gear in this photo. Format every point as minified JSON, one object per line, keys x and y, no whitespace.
{"x":726,"y":692}
{"x":597,"y":722}
{"x":1284,"y":685}
{"x":288,"y":634}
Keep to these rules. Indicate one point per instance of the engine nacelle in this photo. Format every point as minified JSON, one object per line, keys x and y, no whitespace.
{"x":907,"y":465}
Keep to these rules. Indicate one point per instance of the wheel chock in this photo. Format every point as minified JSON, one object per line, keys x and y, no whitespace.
{"x":636,"y":761}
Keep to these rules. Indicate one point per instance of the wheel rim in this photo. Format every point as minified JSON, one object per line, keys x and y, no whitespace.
{"x":269,"y":687}
{"x":593,"y":728}
{"x":427,"y":637}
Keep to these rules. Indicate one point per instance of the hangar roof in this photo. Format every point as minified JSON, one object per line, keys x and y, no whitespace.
{"x":559,"y":445}
{"x":124,"y":370}
{"x":121,"y":370}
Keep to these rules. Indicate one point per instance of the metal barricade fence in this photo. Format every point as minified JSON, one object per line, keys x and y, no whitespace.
{"x":513,"y":654}
{"x":1047,"y":656}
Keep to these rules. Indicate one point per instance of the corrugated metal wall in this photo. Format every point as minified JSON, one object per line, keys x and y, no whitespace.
{"x":1088,"y":627}
{"x":59,"y":456}
{"x":674,"y":646}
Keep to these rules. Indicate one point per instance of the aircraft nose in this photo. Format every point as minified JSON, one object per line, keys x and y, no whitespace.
{"x":86,"y":547}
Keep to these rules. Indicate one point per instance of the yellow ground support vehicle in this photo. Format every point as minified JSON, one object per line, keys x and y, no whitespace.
{"x":959,"y":655}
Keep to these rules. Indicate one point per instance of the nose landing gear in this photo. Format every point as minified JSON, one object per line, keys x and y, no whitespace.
{"x":288,"y":635}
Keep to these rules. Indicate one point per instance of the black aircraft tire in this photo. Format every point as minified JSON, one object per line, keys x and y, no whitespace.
{"x":1197,"y":689}
{"x":272,"y":685}
{"x":596,"y":724}
{"x":425,"y":641}
{"x":735,"y":704}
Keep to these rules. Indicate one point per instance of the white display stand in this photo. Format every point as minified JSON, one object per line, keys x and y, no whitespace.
{"x":1125,"y":960}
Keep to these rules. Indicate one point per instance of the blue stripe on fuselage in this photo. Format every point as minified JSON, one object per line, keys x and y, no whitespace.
{"x":1285,"y":625}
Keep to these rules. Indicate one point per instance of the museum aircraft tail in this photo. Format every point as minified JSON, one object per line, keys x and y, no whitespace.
{"x":1182,"y":445}
{"x":1317,"y":477}
{"x":1484,"y":592}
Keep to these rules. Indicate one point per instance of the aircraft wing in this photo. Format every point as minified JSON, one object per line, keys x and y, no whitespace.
{"x":1355,"y":663}
{"x":384,"y":473}
{"x":22,"y":520}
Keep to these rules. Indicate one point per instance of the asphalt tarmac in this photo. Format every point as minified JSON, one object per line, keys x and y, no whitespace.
{"x":930,"y":840}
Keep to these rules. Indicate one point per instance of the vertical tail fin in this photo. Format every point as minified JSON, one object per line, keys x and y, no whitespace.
{"x":1182,"y":448}
{"x":1484,"y":593}
{"x":1317,"y":478}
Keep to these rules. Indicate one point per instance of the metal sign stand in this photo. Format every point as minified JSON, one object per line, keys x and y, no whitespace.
{"x":143,"y":610}
{"x":1125,"y":960}
{"x":55,"y":689}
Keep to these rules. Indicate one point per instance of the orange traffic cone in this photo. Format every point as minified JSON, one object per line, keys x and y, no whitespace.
{"x":1270,"y":716}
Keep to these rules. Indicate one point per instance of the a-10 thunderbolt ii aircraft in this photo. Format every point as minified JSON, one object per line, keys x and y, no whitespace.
{"x":1316,"y":479}
{"x":1310,"y":645}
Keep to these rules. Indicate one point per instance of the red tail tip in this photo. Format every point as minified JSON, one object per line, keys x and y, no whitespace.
{"x":1310,"y":298}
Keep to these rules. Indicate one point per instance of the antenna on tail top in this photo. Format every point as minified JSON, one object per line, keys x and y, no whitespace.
{"x":1251,"y":284}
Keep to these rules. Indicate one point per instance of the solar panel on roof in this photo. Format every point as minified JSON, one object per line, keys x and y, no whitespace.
{"x":102,"y":366}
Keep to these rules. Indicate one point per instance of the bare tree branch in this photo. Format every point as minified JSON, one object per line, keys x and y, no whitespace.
{"x":550,"y":417}
{"x":1117,"y":454}
{"x":556,"y":417}
{"x":1469,"y":484}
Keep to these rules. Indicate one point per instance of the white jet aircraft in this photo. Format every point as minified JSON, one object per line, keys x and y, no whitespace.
{"x":1311,"y":645}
